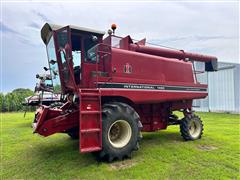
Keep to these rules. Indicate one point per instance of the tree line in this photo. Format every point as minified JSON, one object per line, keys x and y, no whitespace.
{"x":13,"y":101}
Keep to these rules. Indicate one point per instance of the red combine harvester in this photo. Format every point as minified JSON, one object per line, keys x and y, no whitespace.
{"x":115,"y":88}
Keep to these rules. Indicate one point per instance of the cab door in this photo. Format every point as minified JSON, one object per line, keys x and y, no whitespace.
{"x":64,"y":57}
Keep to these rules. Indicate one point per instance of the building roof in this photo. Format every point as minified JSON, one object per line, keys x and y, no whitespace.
{"x":48,"y":28}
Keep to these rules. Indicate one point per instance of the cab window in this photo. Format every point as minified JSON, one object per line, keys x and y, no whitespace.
{"x":76,"y":40}
{"x":90,"y":43}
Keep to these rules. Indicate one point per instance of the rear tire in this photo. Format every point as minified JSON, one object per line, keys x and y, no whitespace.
{"x":120,"y":131}
{"x":191,"y":128}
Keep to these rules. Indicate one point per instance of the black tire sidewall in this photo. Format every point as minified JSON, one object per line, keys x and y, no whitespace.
{"x":196,"y":121}
{"x":108,"y":121}
{"x":73,"y":133}
{"x":185,"y":127}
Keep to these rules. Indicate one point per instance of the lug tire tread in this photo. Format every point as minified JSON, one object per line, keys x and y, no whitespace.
{"x":111,"y":110}
{"x":184,"y":130}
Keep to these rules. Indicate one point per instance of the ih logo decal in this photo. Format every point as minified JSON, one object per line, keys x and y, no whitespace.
{"x":127,"y":68}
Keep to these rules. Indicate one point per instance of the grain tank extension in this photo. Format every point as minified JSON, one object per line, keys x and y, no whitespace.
{"x":116,"y":87}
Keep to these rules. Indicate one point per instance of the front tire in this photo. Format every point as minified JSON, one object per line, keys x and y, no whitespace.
{"x":191,"y":128}
{"x":73,"y":133}
{"x":120,"y":131}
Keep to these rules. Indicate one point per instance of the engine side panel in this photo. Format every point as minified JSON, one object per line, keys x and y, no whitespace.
{"x":150,"y":67}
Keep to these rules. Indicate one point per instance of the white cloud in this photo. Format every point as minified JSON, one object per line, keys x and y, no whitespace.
{"x":211,"y":28}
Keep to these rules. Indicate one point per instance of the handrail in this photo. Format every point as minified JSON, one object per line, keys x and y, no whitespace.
{"x":100,"y":52}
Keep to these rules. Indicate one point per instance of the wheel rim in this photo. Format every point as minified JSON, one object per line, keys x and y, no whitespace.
{"x":194,"y":129}
{"x":119,"y":133}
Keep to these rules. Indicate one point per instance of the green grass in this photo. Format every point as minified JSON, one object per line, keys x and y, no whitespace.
{"x":162,"y":155}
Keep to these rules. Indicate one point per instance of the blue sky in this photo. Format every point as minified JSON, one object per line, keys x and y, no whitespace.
{"x":204,"y":27}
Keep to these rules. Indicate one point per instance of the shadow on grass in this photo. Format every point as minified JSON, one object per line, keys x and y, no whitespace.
{"x":66,"y":151}
{"x":57,"y":159}
{"x":162,"y":137}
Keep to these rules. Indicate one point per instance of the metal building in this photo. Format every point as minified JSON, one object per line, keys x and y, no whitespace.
{"x":223,"y":89}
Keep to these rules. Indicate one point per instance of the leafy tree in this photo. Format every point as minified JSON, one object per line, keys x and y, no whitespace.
{"x":13,"y":101}
{"x":2,"y":104}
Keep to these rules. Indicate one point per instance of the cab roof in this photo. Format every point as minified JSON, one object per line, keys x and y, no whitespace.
{"x":48,"y":28}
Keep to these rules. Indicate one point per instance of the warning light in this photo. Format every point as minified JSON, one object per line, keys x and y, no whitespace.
{"x":114,"y":27}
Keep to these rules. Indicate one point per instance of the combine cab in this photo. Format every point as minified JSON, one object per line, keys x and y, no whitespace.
{"x":116,"y":88}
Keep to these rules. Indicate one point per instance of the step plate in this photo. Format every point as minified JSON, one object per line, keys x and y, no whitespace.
{"x":90,"y":121}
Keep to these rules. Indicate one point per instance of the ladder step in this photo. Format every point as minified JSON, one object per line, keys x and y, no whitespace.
{"x":90,"y":112}
{"x":90,"y":149}
{"x":90,"y":120}
{"x":90,"y":130}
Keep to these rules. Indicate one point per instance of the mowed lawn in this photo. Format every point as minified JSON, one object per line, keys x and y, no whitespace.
{"x":162,"y":155}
